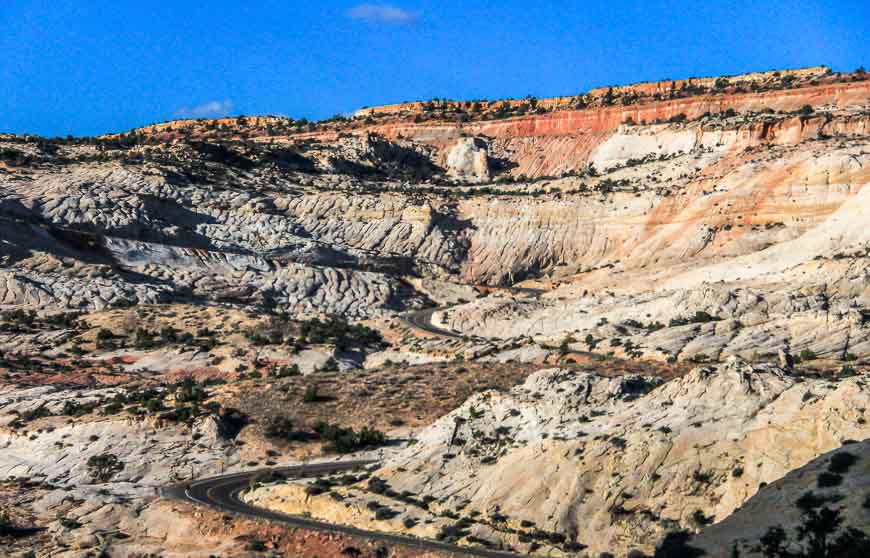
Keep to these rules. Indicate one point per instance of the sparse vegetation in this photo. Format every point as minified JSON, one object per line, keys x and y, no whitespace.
{"x":246,"y":324}
{"x":7,"y":526}
{"x":347,"y":440}
{"x":104,"y":467}
{"x":821,"y":535}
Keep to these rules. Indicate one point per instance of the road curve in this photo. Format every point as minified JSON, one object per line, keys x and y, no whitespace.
{"x":223,"y":492}
{"x":421,"y":320}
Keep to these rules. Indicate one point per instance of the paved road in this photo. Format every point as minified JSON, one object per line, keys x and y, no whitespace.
{"x":223,"y":493}
{"x":422,"y":319}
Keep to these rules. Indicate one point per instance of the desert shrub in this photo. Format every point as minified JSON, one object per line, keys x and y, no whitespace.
{"x":281,"y":428}
{"x":7,"y":526}
{"x":827,"y":479}
{"x":841,"y":462}
{"x":378,"y":485}
{"x":104,"y":335}
{"x":700,"y":519}
{"x":819,"y":536}
{"x":112,"y":409}
{"x":452,"y":533}
{"x":14,"y":157}
{"x":256,"y":546}
{"x":339,"y":332}
{"x":701,"y":476}
{"x":809,"y":500}
{"x":76,"y":409}
{"x":104,"y":466}
{"x":319,"y":486}
{"x":699,"y":317}
{"x":347,"y":440}
{"x":385,"y":513}
{"x":676,"y":545}
{"x":189,"y":391}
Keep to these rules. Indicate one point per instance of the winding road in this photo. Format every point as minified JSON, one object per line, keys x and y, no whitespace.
{"x":223,"y":493}
{"x":421,"y":320}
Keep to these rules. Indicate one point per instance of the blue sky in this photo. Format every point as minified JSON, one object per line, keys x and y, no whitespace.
{"x":93,"y":66}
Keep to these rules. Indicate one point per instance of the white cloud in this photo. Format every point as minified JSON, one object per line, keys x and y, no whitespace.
{"x":382,"y":13}
{"x":211,"y":108}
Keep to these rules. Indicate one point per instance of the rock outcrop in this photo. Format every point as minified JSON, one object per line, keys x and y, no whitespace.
{"x":622,"y":237}
{"x":613,"y":463}
{"x":467,"y":160}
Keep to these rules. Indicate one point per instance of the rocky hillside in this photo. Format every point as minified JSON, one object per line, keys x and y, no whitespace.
{"x":664,"y":282}
{"x":834,"y":486}
{"x":610,"y":464}
{"x":742,"y":201}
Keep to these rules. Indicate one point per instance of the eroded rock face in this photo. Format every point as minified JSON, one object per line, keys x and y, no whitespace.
{"x":467,"y":160}
{"x":149,"y":453}
{"x":785,"y":503}
{"x":615,"y":463}
{"x":653,"y":200}
{"x":727,"y":228}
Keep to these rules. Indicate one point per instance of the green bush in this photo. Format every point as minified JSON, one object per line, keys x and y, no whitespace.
{"x":279,"y":427}
{"x":7,"y":526}
{"x":700,"y":317}
{"x":189,"y":391}
{"x":103,"y":467}
{"x":820,"y":536}
{"x":339,"y":332}
{"x":841,"y":462}
{"x":676,"y":545}
{"x":346,"y":440}
{"x":828,"y":480}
